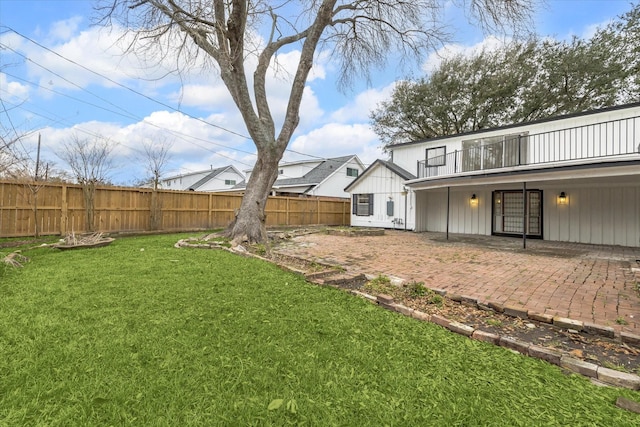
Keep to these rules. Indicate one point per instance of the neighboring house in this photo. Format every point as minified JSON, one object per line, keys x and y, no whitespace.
{"x":574,"y":178}
{"x":207,"y":180}
{"x":321,"y":177}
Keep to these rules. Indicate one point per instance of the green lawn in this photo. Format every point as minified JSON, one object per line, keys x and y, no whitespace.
{"x":141,"y":333}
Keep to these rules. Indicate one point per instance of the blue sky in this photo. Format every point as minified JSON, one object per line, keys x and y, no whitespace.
{"x":87,"y":88}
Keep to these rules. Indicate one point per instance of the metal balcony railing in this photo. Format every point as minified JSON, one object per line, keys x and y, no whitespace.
{"x":595,"y":141}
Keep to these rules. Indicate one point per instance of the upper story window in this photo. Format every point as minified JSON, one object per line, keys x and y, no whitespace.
{"x":352,"y":172}
{"x":436,"y":156}
{"x":494,"y":152}
{"x":229,"y":182}
{"x":281,"y":172}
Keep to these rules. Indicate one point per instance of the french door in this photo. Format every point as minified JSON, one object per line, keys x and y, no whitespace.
{"x":508,"y":213}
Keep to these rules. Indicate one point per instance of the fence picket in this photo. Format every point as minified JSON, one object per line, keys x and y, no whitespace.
{"x":122,"y":209}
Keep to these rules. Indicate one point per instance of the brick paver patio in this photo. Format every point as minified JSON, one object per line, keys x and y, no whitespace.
{"x":591,"y":283}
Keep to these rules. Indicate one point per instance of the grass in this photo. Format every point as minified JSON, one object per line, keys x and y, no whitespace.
{"x":621,"y":321}
{"x":494,"y":322}
{"x":166,"y":337}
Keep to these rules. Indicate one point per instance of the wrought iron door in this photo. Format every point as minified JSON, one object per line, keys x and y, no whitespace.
{"x":508,"y":213}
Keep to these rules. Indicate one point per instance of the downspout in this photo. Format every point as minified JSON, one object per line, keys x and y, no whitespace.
{"x":406,"y":194}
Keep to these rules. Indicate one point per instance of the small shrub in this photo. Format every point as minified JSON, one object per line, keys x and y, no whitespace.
{"x":621,"y":321}
{"x":381,"y":284}
{"x":416,"y":289}
{"x":435,"y":298}
{"x":380,"y":280}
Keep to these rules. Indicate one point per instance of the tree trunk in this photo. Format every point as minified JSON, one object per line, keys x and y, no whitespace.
{"x":250,"y":222}
{"x":89,"y":191}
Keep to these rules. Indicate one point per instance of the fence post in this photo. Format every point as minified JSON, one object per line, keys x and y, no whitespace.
{"x":64,"y":212}
{"x":210,"y":215}
{"x":288,"y":221}
{"x":318,"y":211}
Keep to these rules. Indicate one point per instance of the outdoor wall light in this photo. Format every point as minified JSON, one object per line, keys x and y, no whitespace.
{"x":562,"y":198}
{"x":474,"y":200}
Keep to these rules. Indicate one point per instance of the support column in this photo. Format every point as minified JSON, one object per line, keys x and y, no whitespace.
{"x":448,"y":202}
{"x":524,"y":217}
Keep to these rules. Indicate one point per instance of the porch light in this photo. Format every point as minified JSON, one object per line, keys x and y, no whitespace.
{"x":562,"y":198}
{"x":474,"y":200}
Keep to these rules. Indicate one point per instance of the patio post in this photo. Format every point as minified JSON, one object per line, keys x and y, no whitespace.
{"x":524,"y":216}
{"x":448,"y":195}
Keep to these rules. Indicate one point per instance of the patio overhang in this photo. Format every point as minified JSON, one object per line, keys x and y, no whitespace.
{"x":606,"y":170}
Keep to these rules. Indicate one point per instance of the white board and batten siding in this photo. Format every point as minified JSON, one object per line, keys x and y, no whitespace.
{"x":463,"y":218}
{"x":594,"y":214}
{"x":385,"y":186}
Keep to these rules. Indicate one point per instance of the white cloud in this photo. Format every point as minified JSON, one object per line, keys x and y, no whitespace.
{"x":11,"y":90}
{"x":359,"y":109}
{"x":64,"y":30}
{"x":434,"y":60}
{"x":334,"y":139}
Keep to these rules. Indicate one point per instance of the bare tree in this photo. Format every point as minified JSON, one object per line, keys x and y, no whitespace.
{"x":10,"y":158}
{"x":156,"y":157}
{"x":236,"y":33}
{"x":90,"y":162}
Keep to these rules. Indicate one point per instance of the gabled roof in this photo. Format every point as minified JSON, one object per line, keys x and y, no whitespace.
{"x":295,"y":162}
{"x":207,"y":178}
{"x":401,"y":172}
{"x":210,"y":174}
{"x":314,"y":177}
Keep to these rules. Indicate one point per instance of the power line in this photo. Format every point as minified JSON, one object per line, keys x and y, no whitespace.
{"x":133,"y":90}
{"x":122,"y":143}
{"x":128,"y":115}
{"x":123,"y":86}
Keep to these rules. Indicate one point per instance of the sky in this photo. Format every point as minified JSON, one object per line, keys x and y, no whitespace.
{"x":63,"y":77}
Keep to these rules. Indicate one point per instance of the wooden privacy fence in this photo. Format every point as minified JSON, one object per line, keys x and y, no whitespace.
{"x":60,"y":209}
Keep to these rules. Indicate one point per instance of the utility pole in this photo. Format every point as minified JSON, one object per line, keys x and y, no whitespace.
{"x":38,"y":159}
{"x":35,"y":188}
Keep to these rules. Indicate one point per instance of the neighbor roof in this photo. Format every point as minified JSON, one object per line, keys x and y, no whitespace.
{"x":312,"y":178}
{"x":208,"y":177}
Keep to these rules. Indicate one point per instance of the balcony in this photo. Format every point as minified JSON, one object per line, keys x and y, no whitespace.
{"x":591,"y":143}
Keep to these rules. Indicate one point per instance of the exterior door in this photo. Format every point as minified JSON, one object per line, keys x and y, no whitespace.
{"x":508,"y":213}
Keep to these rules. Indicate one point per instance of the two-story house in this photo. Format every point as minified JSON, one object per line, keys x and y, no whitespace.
{"x":217,"y":179}
{"x":574,"y":178}
{"x":317,"y":177}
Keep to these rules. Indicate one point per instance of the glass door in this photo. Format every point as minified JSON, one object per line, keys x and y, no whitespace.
{"x":508,"y":213}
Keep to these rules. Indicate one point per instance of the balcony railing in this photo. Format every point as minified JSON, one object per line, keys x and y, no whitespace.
{"x":594,"y":141}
